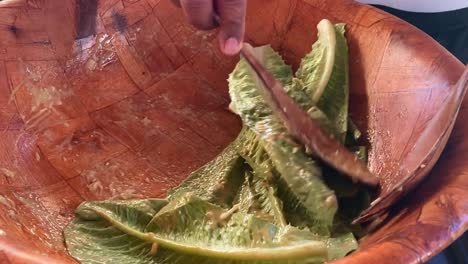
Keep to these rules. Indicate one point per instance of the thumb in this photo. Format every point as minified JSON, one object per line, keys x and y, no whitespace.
{"x":232,"y":16}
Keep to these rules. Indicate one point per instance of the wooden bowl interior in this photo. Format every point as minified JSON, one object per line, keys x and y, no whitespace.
{"x":122,"y":99}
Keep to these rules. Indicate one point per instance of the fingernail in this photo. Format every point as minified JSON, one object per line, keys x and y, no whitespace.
{"x":231,"y":46}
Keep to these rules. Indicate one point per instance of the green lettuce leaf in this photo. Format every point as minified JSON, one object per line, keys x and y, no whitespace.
{"x":256,"y":156}
{"x":324,"y":73}
{"x":258,"y":196}
{"x":185,"y":230}
{"x":219,"y":180}
{"x":353,"y":134}
{"x":93,"y":238}
{"x":299,"y":171}
{"x":342,"y":245}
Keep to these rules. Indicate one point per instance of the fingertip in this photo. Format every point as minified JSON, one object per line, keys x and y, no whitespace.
{"x":231,"y":46}
{"x":232,"y":14}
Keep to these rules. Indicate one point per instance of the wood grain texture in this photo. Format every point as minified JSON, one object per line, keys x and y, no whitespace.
{"x":129,"y":110}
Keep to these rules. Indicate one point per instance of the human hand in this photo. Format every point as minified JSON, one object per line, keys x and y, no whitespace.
{"x":203,"y":15}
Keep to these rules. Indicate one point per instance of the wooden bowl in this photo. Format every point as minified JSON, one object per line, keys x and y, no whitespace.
{"x":122,"y":99}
